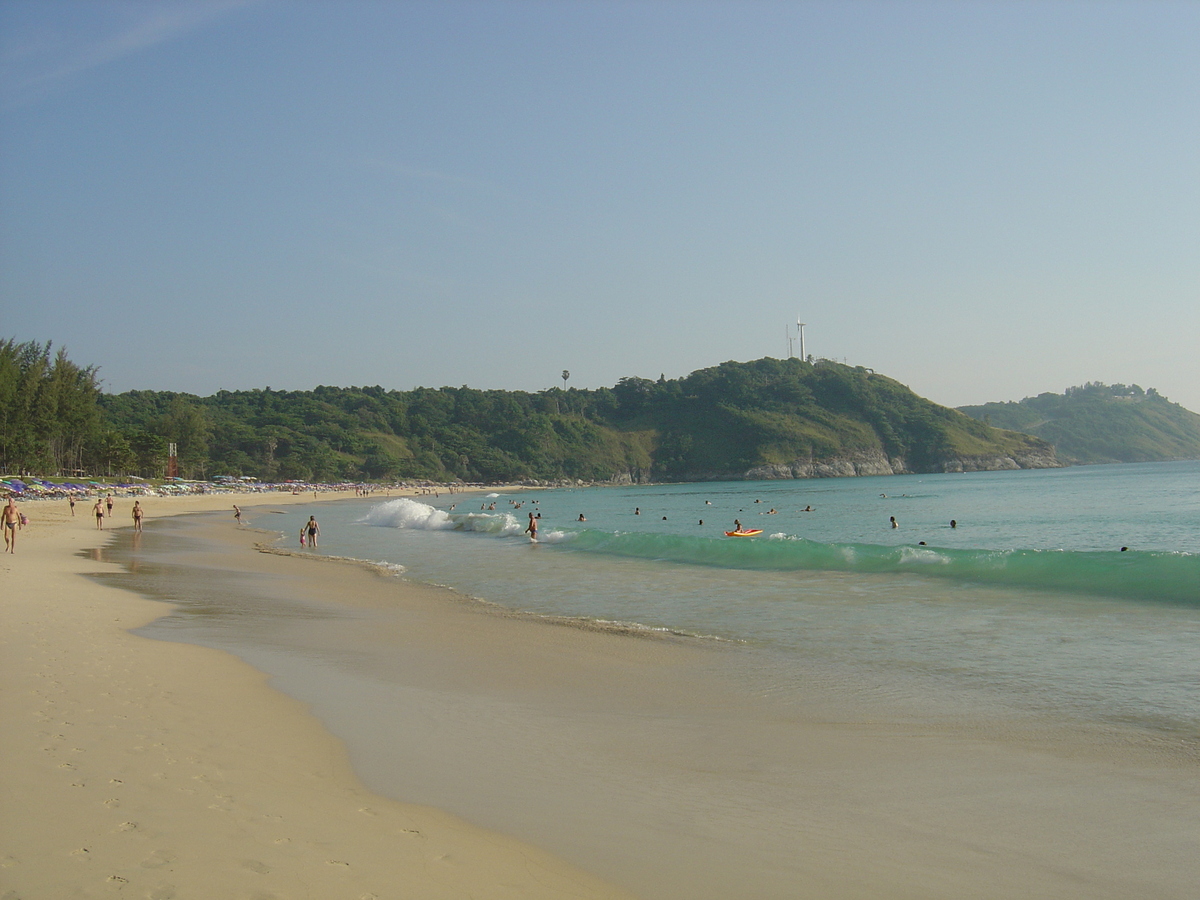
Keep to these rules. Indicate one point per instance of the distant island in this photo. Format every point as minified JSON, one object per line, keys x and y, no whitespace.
{"x":1100,"y":423}
{"x":765,"y":419}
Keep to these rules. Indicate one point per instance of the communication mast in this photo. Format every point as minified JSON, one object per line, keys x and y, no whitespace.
{"x":800,"y":328}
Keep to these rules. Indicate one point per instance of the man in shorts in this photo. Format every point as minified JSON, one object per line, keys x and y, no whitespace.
{"x":10,"y":521}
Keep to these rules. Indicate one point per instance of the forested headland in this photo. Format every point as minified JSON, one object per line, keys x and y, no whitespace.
{"x":1102,"y":423}
{"x":768,"y":418}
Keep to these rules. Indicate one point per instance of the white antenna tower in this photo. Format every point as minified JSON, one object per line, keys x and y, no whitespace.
{"x":800,"y":328}
{"x":791,"y":341}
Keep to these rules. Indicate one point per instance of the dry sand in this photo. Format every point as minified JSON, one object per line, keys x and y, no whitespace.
{"x":139,"y":768}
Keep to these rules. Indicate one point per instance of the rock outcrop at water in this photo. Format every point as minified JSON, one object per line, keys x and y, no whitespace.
{"x":875,"y":462}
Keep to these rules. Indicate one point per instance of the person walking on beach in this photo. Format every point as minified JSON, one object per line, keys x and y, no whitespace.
{"x":71,"y":500}
{"x":98,"y":509}
{"x":312,"y":529}
{"x":108,"y":503}
{"x":10,"y":521}
{"x":237,"y":514}
{"x":137,"y":515}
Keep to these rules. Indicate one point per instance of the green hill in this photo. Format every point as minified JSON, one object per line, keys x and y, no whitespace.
{"x":764,"y":419}
{"x":1099,"y":423}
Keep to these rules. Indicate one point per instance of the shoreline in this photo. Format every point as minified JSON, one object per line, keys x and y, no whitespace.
{"x":644,"y":762}
{"x":171,"y":769}
{"x":634,"y":760}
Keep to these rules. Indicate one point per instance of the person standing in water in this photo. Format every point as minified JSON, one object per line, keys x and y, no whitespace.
{"x":137,"y":515}
{"x":312,"y":529}
{"x":531,"y":528}
{"x":237,"y":514}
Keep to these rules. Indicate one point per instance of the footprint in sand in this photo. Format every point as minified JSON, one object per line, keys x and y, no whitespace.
{"x":127,"y":826}
{"x":255,"y":866}
{"x":162,"y":892}
{"x":157,"y":860}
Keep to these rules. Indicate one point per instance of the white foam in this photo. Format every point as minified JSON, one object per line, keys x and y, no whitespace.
{"x":921,"y":555}
{"x":406,"y":513}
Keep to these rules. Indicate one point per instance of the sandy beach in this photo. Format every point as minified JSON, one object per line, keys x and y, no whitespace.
{"x":551,"y":761}
{"x":140,"y":768}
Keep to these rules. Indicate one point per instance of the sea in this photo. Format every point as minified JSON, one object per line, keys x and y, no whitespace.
{"x":1073,"y":591}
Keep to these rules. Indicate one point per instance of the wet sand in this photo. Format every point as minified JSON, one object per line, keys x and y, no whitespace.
{"x":650,"y":763}
{"x":141,"y":768}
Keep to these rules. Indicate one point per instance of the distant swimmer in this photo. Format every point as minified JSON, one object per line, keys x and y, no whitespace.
{"x":637,"y":510}
{"x":582,"y":518}
{"x":531,"y":528}
{"x":953,"y":523}
{"x":808,"y":509}
{"x":895,"y":524}
{"x":1123,"y":549}
{"x":708,"y":503}
{"x":772,"y":511}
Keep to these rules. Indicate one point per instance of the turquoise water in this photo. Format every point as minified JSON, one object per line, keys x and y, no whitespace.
{"x":1029,"y":606}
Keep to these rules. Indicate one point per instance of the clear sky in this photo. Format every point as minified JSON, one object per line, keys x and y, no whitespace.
{"x":984,"y":201}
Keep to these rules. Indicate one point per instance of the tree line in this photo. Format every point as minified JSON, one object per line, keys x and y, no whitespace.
{"x":716,"y":422}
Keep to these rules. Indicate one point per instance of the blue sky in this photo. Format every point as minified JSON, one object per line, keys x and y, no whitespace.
{"x":982,"y":200}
